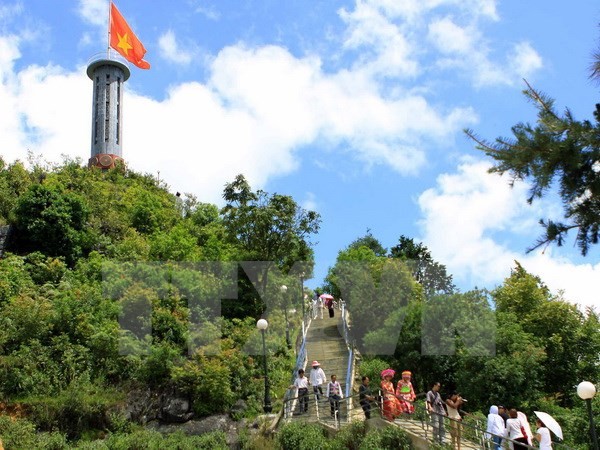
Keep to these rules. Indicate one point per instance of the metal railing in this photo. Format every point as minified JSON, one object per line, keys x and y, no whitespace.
{"x":290,"y":394}
{"x":474,"y":431}
{"x":347,"y":340}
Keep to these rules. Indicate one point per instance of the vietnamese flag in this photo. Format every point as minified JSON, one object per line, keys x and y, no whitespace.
{"x":123,"y":40}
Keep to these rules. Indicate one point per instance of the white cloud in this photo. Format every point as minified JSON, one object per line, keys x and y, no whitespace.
{"x":257,"y":109}
{"x":94,"y":12}
{"x":208,"y":11}
{"x":8,"y":11}
{"x":464,"y":216}
{"x":172,"y":51}
{"x":390,"y":33}
{"x":448,"y":37}
{"x":525,"y":60}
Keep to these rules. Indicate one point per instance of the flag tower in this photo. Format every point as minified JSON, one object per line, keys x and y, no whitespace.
{"x":108,"y":75}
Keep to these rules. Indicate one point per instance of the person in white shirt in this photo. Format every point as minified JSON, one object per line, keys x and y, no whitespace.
{"x":317,"y":378}
{"x":301,"y":383}
{"x":514,"y":431}
{"x":334,"y":394}
{"x":495,"y":427}
{"x":543,"y":436}
{"x":315,"y":308}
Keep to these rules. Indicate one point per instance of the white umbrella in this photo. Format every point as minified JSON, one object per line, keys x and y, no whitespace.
{"x":550,"y":423}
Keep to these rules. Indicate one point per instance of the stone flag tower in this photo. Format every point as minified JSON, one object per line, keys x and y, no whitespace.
{"x":108,"y":77}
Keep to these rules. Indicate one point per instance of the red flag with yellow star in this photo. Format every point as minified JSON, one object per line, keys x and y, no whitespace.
{"x":123,"y":40}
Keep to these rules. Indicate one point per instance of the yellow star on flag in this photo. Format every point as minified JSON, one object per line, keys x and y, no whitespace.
{"x":124,"y":43}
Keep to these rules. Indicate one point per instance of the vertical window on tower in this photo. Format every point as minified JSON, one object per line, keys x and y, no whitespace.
{"x":118,"y":100}
{"x":96,"y":108}
{"x":107,"y":111}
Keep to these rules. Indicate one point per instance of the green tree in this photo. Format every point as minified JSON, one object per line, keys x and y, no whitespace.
{"x":429,"y":273}
{"x":51,"y":221}
{"x":271,"y":228}
{"x":369,"y":241}
{"x":558,"y":149}
{"x":558,"y":327}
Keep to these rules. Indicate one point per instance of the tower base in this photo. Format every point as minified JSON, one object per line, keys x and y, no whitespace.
{"x":104,"y":161}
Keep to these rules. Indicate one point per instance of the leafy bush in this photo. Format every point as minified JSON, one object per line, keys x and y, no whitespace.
{"x":350,"y":437}
{"x":392,"y":438}
{"x":302,"y":436}
{"x":153,"y":440}
{"x":21,"y":434}
{"x":372,"y":368}
{"x":80,"y":407}
{"x":208,"y":382}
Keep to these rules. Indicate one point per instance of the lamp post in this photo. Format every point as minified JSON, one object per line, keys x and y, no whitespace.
{"x":262,"y":325}
{"x":283,"y":290}
{"x":586,"y":391}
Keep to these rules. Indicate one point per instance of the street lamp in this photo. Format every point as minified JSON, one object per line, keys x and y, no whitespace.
{"x":586,"y":391}
{"x":283,"y":290}
{"x":262,"y":325}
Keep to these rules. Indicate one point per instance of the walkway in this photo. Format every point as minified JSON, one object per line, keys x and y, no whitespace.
{"x":324,"y":343}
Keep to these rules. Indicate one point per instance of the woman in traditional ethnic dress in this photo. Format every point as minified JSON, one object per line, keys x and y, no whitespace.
{"x":391,"y":405}
{"x":405,"y":393}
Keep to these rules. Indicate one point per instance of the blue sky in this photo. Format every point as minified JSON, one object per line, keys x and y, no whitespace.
{"x":356,"y":108}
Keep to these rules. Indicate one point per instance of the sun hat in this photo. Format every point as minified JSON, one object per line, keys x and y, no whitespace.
{"x":315,"y":363}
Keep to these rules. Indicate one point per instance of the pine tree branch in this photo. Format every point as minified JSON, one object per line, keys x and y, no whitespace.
{"x":481,"y":143}
{"x":538,"y":98}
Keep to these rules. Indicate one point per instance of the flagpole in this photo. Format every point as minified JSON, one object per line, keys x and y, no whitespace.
{"x":108,"y":43}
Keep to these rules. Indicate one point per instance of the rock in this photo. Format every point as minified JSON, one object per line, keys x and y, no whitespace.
{"x":142,"y":405}
{"x":175,"y":410}
{"x":198,"y":427}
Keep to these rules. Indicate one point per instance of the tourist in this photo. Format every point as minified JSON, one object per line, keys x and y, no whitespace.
{"x":406,"y":393}
{"x":515,"y":431}
{"x":334,"y":394}
{"x":330,"y":306}
{"x":453,"y":404}
{"x":365,"y":397}
{"x":495,"y":427}
{"x":435,"y":407}
{"x":317,"y":378}
{"x":301,"y":384}
{"x":525,"y":424}
{"x":502,"y":412}
{"x":391,"y":405}
{"x":543,"y":436}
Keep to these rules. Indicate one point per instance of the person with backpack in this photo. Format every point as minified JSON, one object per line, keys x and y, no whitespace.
{"x":435,"y":408}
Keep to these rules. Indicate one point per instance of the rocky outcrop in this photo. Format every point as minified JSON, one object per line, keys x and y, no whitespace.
{"x":175,"y":410}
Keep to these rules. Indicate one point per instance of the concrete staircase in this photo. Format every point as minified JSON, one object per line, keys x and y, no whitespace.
{"x":324,"y":343}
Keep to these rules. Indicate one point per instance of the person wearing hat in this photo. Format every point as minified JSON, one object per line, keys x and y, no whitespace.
{"x":317,"y":378}
{"x":406,"y":393}
{"x":391,"y":405}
